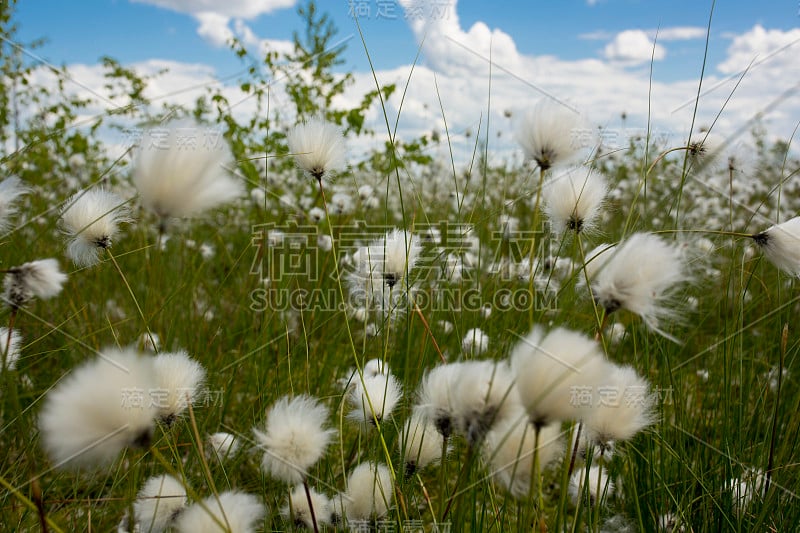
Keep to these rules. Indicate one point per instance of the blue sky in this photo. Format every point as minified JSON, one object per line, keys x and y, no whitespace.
{"x":594,"y":54}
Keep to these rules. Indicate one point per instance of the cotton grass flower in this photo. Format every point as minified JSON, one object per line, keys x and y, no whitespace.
{"x":509,"y":450}
{"x":475,"y":342}
{"x":177,"y":180}
{"x":389,"y":259}
{"x":294,"y":438}
{"x":369,"y":492}
{"x":621,"y":407}
{"x":483,"y":396}
{"x":180,"y":383}
{"x":318,"y":148}
{"x":546,"y":133}
{"x":232,"y":511}
{"x":550,"y":367}
{"x":298,"y":510}
{"x":99,"y":409}
{"x":10,"y":190}
{"x":373,"y":398}
{"x":158,"y":503}
{"x":583,"y":489}
{"x":9,"y":348}
{"x":781,"y":245}
{"x":641,"y":276}
{"x":420,"y":443}
{"x":37,"y":279}
{"x":572,"y":201}
{"x":91,"y":220}
{"x":744,"y":489}
{"x":223,"y":445}
{"x":437,"y":395}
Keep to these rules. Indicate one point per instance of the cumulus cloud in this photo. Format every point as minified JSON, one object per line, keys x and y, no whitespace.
{"x":633,"y":47}
{"x":214,"y":28}
{"x":760,"y":44}
{"x":246,"y":9}
{"x":679,"y":33}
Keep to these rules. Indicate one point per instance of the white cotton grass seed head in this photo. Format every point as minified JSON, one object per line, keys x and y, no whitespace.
{"x":373,"y":398}
{"x":176,"y":180}
{"x":298,"y":512}
{"x":223,"y":445}
{"x":294,"y":437}
{"x":370,"y":492}
{"x":547,"y":133}
{"x":41,"y":279}
{"x":91,"y":221}
{"x":10,"y":190}
{"x":705,"y":148}
{"x":232,"y":511}
{"x":318,"y":148}
{"x":99,"y":409}
{"x":585,"y":490}
{"x":437,"y":396}
{"x":620,"y":408}
{"x":748,"y":486}
{"x":180,"y":383}
{"x":394,"y":255}
{"x":642,"y":276}
{"x":781,"y":245}
{"x":420,"y":443}
{"x":572,"y":201}
{"x":475,"y":342}
{"x":483,"y":396}
{"x":509,"y":449}
{"x":9,"y":348}
{"x":158,"y":503}
{"x":550,"y":367}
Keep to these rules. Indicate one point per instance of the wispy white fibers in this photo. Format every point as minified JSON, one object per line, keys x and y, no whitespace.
{"x":91,"y":221}
{"x":294,"y":438}
{"x":420,"y":442}
{"x":178,"y":177}
{"x":10,"y":350}
{"x":475,"y":342}
{"x":298,"y":510}
{"x":572,"y":200}
{"x":641,"y":276}
{"x":781,"y":245}
{"x":369,"y":492}
{"x":581,"y":488}
{"x":37,"y":279}
{"x":99,"y":409}
{"x":437,"y":397}
{"x":509,"y":450}
{"x":180,"y":383}
{"x":549,"y":133}
{"x":158,"y":503}
{"x":318,"y":148}
{"x":549,"y":369}
{"x":373,"y":398}
{"x":10,"y":190}
{"x":222,"y":445}
{"x":232,"y":511}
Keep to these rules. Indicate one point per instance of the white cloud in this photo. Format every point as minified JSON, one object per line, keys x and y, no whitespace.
{"x":633,"y":47}
{"x":214,"y":28}
{"x":246,"y":9}
{"x":759,"y":44}
{"x":678,"y":33}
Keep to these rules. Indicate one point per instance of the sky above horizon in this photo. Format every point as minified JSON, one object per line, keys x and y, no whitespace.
{"x":595,"y":55}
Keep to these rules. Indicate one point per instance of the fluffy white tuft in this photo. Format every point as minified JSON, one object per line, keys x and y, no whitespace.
{"x":294,"y":438}
{"x":572,"y":201}
{"x":420,"y":442}
{"x":437,"y":396}
{"x":550,"y":368}
{"x":781,"y":245}
{"x":223,"y":445}
{"x":100,"y":408}
{"x":576,"y":489}
{"x":180,"y":383}
{"x":318,"y":147}
{"x":509,"y":450}
{"x":369,"y":492}
{"x":158,"y":503}
{"x":475,"y":342}
{"x":10,"y":189}
{"x":91,"y":220}
{"x":233,"y":511}
{"x":9,"y":348}
{"x":297,"y":508}
{"x":620,"y":408}
{"x":179,"y":180}
{"x":546,"y":133}
{"x":374,"y":398}
{"x":640,"y":276}
{"x":36,"y":279}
